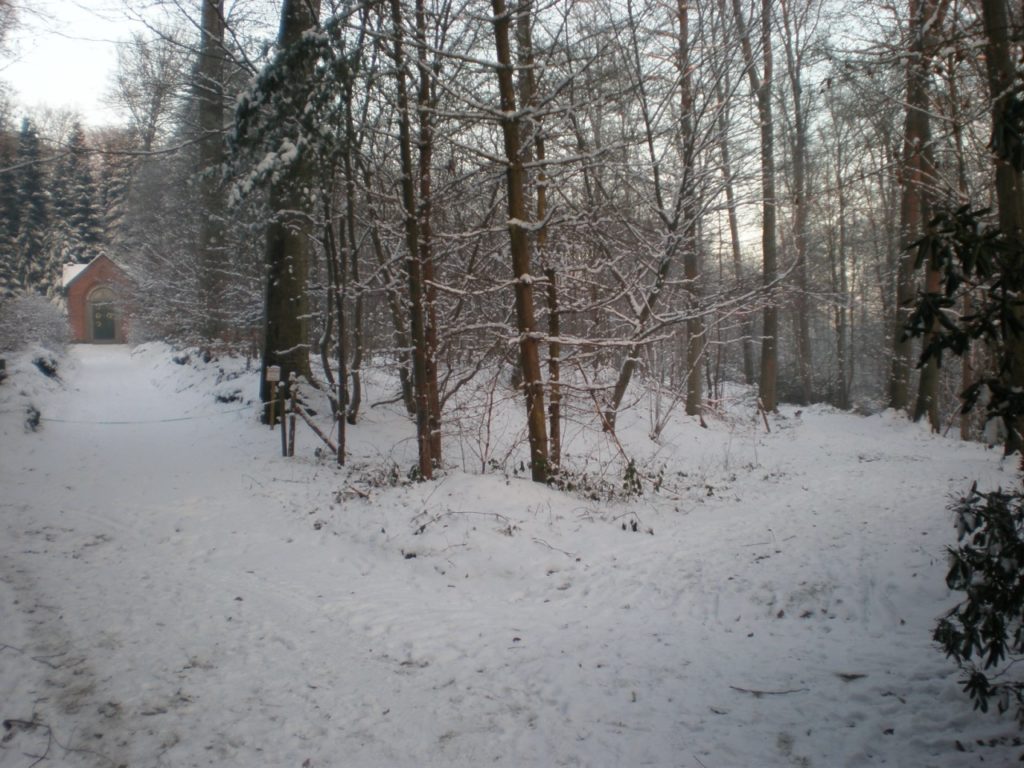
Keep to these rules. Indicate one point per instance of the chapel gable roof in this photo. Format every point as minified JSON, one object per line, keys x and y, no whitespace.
{"x":73,"y":272}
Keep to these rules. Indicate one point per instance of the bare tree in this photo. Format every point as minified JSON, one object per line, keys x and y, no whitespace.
{"x":414,"y":258}
{"x":518,"y":223}
{"x":761,"y":86}
{"x":149,"y":85}
{"x":797,"y":24}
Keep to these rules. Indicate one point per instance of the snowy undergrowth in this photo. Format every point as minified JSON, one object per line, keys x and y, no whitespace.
{"x":199,"y":600}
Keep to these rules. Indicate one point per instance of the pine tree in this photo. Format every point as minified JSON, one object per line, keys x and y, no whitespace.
{"x":9,"y":218}
{"x":34,"y":272}
{"x":79,"y":229}
{"x":116,"y":173}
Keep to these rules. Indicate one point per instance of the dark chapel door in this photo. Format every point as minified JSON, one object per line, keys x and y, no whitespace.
{"x":103,"y":328}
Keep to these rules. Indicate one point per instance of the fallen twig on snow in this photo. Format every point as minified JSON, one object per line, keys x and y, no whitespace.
{"x":45,"y":660}
{"x":12,"y":725}
{"x":438,"y":516}
{"x":538,"y":540}
{"x":358,"y":492}
{"x":757,"y":694}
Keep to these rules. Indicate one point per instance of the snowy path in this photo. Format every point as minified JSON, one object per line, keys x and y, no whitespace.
{"x":126,"y":553}
{"x":173,"y":593}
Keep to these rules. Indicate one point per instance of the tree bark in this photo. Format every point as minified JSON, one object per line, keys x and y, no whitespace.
{"x":926,"y":16}
{"x":533,"y":154}
{"x":289,"y":235}
{"x":209,"y":93}
{"x":927,"y":403}
{"x":794,"y":66}
{"x":761,"y":86}
{"x":746,"y":323}
{"x":554,"y":370}
{"x":843,"y":290}
{"x":424,"y":215}
{"x":914,"y":203}
{"x":358,"y":334}
{"x":1008,"y":155}
{"x":691,"y":251}
{"x":337,"y":285}
{"x":518,"y":215}
{"x":414,"y":266}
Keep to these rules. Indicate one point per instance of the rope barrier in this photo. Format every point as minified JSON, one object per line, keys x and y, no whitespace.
{"x":143,"y":421}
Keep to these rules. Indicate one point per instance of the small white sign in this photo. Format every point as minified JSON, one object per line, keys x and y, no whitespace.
{"x":273,"y":373}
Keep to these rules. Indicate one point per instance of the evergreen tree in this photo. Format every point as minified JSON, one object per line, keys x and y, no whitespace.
{"x":117,"y":171}
{"x":79,"y":228}
{"x":9,"y":218}
{"x":34,"y":270}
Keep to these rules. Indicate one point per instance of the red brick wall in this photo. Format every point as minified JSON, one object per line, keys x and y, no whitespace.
{"x":101,"y":271}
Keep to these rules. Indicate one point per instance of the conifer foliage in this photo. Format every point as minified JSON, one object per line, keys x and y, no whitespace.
{"x":79,"y":234}
{"x":52,"y":211}
{"x":34,"y":272}
{"x":9,"y":219}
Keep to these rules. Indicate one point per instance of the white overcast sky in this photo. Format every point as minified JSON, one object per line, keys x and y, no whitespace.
{"x":64,"y":54}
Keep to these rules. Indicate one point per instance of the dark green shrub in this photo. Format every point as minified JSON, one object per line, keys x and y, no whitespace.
{"x":984,"y":633}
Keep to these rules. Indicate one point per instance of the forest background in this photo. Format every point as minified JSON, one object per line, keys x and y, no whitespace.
{"x":580,"y":201}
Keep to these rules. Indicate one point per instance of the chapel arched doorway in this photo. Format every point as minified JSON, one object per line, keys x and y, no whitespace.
{"x":102,"y":318}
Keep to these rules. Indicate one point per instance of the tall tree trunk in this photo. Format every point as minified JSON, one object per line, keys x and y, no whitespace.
{"x":695,"y":340}
{"x":794,"y":66}
{"x":414,"y":266}
{"x":338,"y":283}
{"x":394,"y":300}
{"x":209,"y":92}
{"x":761,"y":86}
{"x":843,"y":304}
{"x":722,"y":87}
{"x":914,"y":203}
{"x":927,"y":403}
{"x":929,"y":14}
{"x":289,"y":234}
{"x":425,"y":214}
{"x":533,"y":152}
{"x":358,"y":334}
{"x":518,"y":216}
{"x":1008,"y":155}
{"x":967,"y":307}
{"x":747,"y":323}
{"x":554,"y":320}
{"x":1006,"y":143}
{"x":554,"y":370}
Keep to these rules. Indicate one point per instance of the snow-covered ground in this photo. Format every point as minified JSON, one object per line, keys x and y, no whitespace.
{"x":174,"y":593}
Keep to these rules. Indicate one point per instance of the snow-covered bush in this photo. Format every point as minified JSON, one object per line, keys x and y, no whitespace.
{"x":985,"y":632}
{"x":31,"y":319}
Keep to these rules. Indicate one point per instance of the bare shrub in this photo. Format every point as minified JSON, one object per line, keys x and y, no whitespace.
{"x":26,"y":320}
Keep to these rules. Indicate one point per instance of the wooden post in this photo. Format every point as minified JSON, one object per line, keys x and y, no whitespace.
{"x":273,"y":376}
{"x":293,"y":392}
{"x":764,"y":415}
{"x":284,"y":422}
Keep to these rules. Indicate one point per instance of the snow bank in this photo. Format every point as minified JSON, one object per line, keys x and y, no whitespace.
{"x":173,"y":592}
